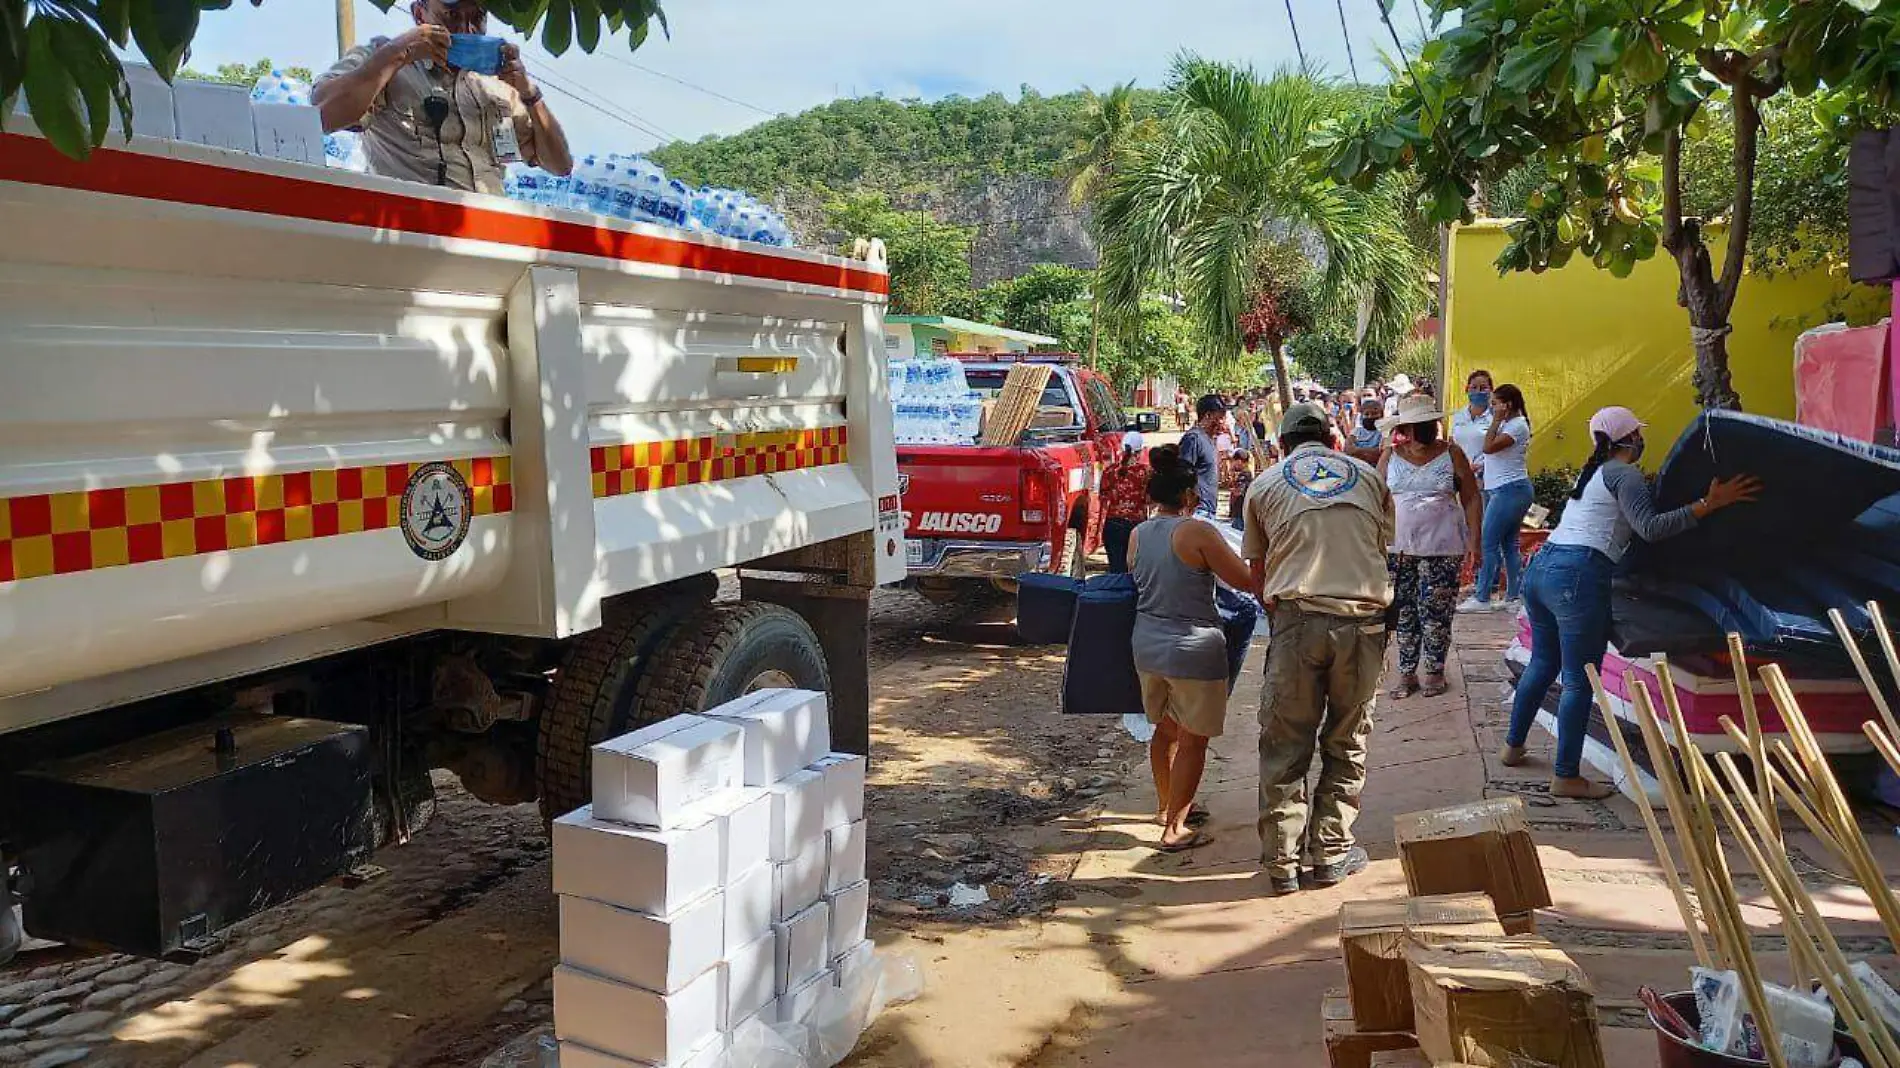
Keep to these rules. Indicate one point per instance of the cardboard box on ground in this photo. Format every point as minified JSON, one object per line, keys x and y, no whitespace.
{"x":1502,"y":1002}
{"x":1346,"y":1045}
{"x":1372,"y":938}
{"x":1484,"y":846}
{"x":698,"y":894}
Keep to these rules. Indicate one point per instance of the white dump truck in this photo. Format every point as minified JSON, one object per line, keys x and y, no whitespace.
{"x":312,"y":482}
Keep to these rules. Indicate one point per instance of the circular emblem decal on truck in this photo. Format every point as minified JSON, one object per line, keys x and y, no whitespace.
{"x":436,"y":508}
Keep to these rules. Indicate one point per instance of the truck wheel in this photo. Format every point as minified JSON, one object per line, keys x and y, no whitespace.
{"x":594,"y":699}
{"x":726,"y":651}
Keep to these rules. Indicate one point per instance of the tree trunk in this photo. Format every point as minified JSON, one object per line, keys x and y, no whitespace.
{"x":1279,"y":375}
{"x":1701,"y":295}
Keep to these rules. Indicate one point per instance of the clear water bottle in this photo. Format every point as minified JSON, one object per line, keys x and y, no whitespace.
{"x":600,"y":194}
{"x":529,"y":186}
{"x":580,"y":188}
{"x":678,"y":204}
{"x":625,"y":195}
{"x":557,"y":190}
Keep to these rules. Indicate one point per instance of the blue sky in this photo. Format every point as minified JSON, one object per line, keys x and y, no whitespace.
{"x":777,"y":56}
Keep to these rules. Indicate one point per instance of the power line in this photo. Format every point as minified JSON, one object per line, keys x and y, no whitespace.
{"x":602,"y":102}
{"x":1345,"y":31}
{"x":690,"y":85}
{"x":609,"y":112}
{"x":1419,"y":14}
{"x":1295,"y":23}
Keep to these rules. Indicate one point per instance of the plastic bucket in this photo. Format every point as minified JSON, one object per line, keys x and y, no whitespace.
{"x":1674,"y":1052}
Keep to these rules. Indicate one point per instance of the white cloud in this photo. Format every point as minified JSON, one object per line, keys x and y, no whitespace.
{"x":787,"y":56}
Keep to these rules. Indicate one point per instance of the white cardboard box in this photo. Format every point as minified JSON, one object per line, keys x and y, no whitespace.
{"x":767,"y":1015}
{"x":745,"y":830}
{"x":575,"y":1055}
{"x":798,"y":812}
{"x":209,"y":113}
{"x":637,"y":1024}
{"x":798,"y":883}
{"x":785,"y":731}
{"x":850,"y":910}
{"x":849,"y":964}
{"x":666,"y":781}
{"x":660,"y":953}
{"x":801,"y":1003}
{"x":288,"y":131}
{"x":749,"y":906}
{"x":844,"y":855}
{"x":747,"y":980}
{"x":656,"y":872}
{"x":151,"y":105}
{"x":844,"y":787}
{"x":800,"y":951}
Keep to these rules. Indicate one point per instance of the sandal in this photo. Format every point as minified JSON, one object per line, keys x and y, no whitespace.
{"x":1194,"y":840}
{"x":1434,"y":686}
{"x":1406,"y":687}
{"x":1582,"y":789}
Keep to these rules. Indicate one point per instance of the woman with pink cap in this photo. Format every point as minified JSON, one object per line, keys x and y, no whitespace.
{"x":1567,"y":588}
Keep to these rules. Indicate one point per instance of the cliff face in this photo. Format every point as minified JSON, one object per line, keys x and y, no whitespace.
{"x":1020,"y":221}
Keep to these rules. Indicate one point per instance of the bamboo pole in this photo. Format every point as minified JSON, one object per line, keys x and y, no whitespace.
{"x":1690,"y":916}
{"x":1741,"y":946}
{"x":1885,"y":636}
{"x":1780,"y":785}
{"x":1830,"y":800}
{"x":1866,"y":673}
{"x":1802,"y":918}
{"x":1882,"y":744}
{"x":1751,"y":717}
{"x":1663,"y":759}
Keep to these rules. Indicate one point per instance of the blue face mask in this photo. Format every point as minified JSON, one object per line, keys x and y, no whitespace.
{"x":1479,"y":397}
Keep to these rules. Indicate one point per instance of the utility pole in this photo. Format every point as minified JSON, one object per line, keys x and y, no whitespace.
{"x":345,"y":26}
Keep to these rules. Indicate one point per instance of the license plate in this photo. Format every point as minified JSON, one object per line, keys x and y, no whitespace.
{"x":913,"y":552}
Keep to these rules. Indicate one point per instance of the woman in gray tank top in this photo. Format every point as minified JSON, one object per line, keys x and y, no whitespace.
{"x":1180,"y":650}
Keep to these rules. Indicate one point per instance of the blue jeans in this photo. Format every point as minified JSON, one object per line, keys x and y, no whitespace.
{"x":1567,"y":596}
{"x":1504,"y":510}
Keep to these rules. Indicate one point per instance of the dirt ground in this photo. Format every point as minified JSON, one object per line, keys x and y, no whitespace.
{"x":445,"y":960}
{"x":1082,"y":947}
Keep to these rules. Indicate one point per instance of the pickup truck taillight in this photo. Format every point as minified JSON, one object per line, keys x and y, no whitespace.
{"x":1035,"y":497}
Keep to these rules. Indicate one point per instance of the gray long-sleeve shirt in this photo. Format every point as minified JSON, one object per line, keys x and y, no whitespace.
{"x":1616,"y":505}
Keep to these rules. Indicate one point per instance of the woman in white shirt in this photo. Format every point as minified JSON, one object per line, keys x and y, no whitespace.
{"x":1507,"y":496}
{"x":1468,"y":424}
{"x":1567,"y":594}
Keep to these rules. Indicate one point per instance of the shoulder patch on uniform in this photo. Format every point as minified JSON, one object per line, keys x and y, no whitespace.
{"x":1319,"y":474}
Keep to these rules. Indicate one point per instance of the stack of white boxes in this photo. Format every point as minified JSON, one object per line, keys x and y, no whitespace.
{"x":717,"y":877}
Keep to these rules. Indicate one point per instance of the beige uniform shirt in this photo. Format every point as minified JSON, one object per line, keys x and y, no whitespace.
{"x":1322,"y":520}
{"x":400,"y":142}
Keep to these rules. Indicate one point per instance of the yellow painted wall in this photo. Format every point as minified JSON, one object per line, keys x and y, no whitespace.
{"x":1578,"y":339}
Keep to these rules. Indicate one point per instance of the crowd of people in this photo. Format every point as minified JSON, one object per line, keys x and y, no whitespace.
{"x":1369,"y":509}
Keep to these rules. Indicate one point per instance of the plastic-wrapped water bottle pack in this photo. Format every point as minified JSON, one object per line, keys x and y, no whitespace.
{"x":932,"y":403}
{"x":342,"y":149}
{"x":635,"y":189}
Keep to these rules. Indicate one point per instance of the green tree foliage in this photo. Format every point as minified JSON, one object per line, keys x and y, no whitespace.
{"x":247,"y":74}
{"x":1605,"y":97}
{"x":1107,"y":125}
{"x":1329,"y":358}
{"x":61,"y":52}
{"x":891,"y":145}
{"x":929,"y":261}
{"x":1198,"y":208}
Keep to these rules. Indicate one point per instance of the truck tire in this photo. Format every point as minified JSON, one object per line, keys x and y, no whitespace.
{"x":594,"y":699}
{"x":725,"y":651}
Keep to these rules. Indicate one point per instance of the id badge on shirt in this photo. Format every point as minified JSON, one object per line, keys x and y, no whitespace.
{"x":507,"y":145}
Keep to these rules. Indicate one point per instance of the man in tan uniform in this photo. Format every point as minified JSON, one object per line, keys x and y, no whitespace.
{"x":1317,"y":527}
{"x":478,"y":123}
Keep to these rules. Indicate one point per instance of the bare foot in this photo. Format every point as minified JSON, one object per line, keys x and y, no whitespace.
{"x":1512,"y":756}
{"x":1581,"y":789}
{"x":1405,"y":687}
{"x":1434,"y":685}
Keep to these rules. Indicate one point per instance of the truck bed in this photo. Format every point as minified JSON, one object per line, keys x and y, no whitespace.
{"x":244,"y":397}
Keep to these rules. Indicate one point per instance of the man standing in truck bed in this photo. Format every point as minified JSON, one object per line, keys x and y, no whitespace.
{"x":424,"y":121}
{"x":1317,"y":526}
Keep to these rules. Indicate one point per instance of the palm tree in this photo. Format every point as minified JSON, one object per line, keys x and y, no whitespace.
{"x":1108,"y":126}
{"x":1108,"y":123}
{"x":1226,"y":181}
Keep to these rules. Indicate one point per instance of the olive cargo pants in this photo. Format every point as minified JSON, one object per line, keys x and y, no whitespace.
{"x":1321,"y":681}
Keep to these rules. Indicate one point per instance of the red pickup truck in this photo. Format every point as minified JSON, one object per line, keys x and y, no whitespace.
{"x":989,"y":514}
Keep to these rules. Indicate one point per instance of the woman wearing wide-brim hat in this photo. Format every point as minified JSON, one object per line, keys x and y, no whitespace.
{"x":1437,"y":518}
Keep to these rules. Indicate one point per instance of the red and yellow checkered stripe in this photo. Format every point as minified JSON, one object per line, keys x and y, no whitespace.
{"x":64,"y":533}
{"x":651,"y":465}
